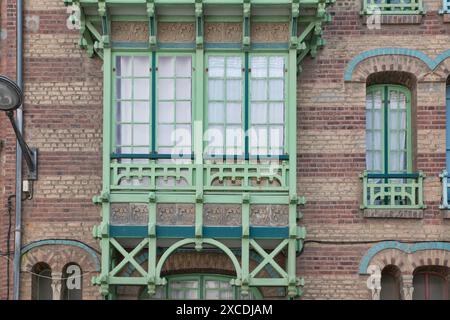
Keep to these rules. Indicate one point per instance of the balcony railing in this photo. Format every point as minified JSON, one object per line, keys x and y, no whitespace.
{"x":392,"y":7}
{"x":392,"y":191}
{"x":444,"y":180}
{"x":235,"y":176}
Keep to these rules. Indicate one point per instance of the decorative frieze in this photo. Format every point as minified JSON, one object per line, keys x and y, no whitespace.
{"x":270,"y":32}
{"x":134,"y":214}
{"x":222,"y":214}
{"x":175,"y":214}
{"x":223,"y":32}
{"x":269,"y":215}
{"x":176,"y":32}
{"x":129,"y":31}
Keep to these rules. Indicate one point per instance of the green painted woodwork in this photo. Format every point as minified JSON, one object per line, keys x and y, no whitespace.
{"x":386,"y":184}
{"x":392,"y":192}
{"x":200,"y":286}
{"x":141,"y":172}
{"x":391,"y":7}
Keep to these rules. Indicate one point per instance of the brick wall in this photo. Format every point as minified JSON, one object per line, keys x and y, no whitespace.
{"x":63,"y":111}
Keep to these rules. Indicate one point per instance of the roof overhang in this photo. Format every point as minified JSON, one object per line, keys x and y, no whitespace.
{"x":306,"y":17}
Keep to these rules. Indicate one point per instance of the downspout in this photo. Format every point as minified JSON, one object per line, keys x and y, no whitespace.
{"x":19,"y":122}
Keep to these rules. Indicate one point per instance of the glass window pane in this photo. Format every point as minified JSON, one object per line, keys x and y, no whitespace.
{"x":390,"y":288}
{"x":216,"y":90}
{"x":183,"y":89}
{"x":141,"y":67}
{"x":276,"y":136}
{"x":276,"y":90}
{"x":183,"y":135}
{"x":276,"y":67}
{"x":183,"y":66}
{"x":259,"y":67}
{"x":234,"y":113}
{"x":166,"y":66}
{"x":234,"y":67}
{"x":141,"y":89}
{"x":259,"y":90}
{"x":123,"y":90}
{"x":166,"y":135}
{"x":166,"y":89}
{"x":436,"y":287}
{"x":215,"y":136}
{"x":419,"y":287}
{"x":234,"y":136}
{"x":276,"y":113}
{"x":124,"y":134}
{"x":166,"y":112}
{"x":216,"y":67}
{"x":124,"y":66}
{"x":183,"y":112}
{"x":258,"y":113}
{"x":141,"y":112}
{"x":123,"y":112}
{"x":141,"y":134}
{"x":216,"y":113}
{"x":234,"y":90}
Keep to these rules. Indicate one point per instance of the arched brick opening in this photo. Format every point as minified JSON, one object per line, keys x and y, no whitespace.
{"x":57,"y":257}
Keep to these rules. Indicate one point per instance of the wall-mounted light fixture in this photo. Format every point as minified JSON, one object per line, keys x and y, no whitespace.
{"x":11,"y":98}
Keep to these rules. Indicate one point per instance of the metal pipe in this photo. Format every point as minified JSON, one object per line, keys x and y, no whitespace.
{"x":28,"y":155}
{"x":19,"y":123}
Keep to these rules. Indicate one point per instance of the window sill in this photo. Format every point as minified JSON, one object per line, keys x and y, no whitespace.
{"x":396,"y":19}
{"x":393,"y":213}
{"x":447,"y":214}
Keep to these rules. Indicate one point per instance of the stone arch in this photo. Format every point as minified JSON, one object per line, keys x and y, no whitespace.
{"x":413,"y":61}
{"x":57,"y":256}
{"x":406,"y":256}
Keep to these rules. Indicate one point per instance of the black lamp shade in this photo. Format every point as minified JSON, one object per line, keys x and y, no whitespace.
{"x":11,"y":96}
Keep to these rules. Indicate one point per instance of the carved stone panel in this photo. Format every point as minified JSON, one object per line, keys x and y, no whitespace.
{"x":134,"y":214}
{"x":222,"y":214}
{"x":269,"y":215}
{"x":223,"y":32}
{"x":179,"y":214}
{"x":176,"y":32}
{"x":270,"y":32}
{"x":129,"y":31}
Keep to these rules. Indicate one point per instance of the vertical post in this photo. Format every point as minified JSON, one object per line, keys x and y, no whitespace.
{"x":152,"y":245}
{"x":106,"y":206}
{"x":292,"y":149}
{"x":198,"y":124}
{"x":245,"y":247}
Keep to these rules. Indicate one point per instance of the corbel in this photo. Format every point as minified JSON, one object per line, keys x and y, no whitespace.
{"x":151,"y":14}
{"x":295,"y":12}
{"x":102,"y":198}
{"x":199,"y":23}
{"x":106,"y":23}
{"x":246,"y":25}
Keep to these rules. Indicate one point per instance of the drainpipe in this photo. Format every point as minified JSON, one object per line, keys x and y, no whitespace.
{"x":19,"y":122}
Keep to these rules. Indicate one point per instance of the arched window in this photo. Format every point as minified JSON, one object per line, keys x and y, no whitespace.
{"x":200,"y":287}
{"x":41,"y":282}
{"x":431,"y":283}
{"x":390,"y":283}
{"x":72,"y":282}
{"x":388,"y":129}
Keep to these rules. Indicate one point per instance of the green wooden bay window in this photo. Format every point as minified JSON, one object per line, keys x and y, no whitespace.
{"x":171,"y":110}
{"x":388,"y":180}
{"x":390,"y":7}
